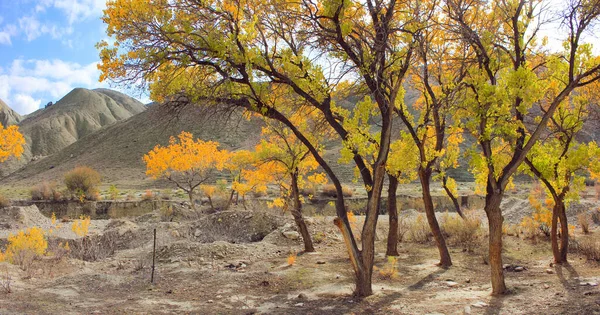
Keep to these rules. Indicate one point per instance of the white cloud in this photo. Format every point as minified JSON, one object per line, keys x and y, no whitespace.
{"x":6,"y":33}
{"x":25,"y":103}
{"x":28,"y":83}
{"x":78,"y":10}
{"x":33,"y":28}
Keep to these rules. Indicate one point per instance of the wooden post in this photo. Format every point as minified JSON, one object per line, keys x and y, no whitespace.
{"x":153,"y":256}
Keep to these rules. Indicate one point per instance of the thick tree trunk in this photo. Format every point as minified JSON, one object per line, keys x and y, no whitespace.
{"x":554,"y":235}
{"x":392,"y":208}
{"x":495,"y":220}
{"x":445,"y":260}
{"x":191,"y":196}
{"x":560,"y":209}
{"x":297,"y":213}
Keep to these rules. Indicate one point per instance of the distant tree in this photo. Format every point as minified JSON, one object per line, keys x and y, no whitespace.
{"x":11,"y":142}
{"x":186,"y":162}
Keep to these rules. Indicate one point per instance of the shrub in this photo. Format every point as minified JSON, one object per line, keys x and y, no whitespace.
{"x":45,"y":191}
{"x":4,"y":202}
{"x":588,"y":247}
{"x":94,"y":247}
{"x":24,"y":247}
{"x":148,"y":195}
{"x":596,"y":216}
{"x":82,"y":182}
{"x":81,"y":227}
{"x":584,"y":221}
{"x":329,"y":191}
{"x":389,"y":270}
{"x":319,"y":237}
{"x":113,"y":192}
{"x":419,"y":231}
{"x":403,"y":228}
{"x":291,"y":260}
{"x":462,"y":232}
{"x":166,"y":213}
{"x":540,"y":220}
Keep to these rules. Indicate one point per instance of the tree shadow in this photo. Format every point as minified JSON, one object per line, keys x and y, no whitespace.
{"x":558,"y":268}
{"x":495,"y":305}
{"x":427,"y":279}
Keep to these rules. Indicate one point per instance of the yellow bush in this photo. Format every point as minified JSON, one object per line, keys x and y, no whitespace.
{"x":540,"y":220}
{"x":389,"y":270}
{"x":291,"y":259}
{"x":24,"y":247}
{"x":82,"y":182}
{"x":81,"y":226}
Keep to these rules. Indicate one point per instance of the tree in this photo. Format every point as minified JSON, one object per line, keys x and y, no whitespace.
{"x":291,"y":165}
{"x":11,"y":142}
{"x":186,"y":162}
{"x":241,"y":52}
{"x":432,"y":132}
{"x":559,"y":162}
{"x":510,"y":71}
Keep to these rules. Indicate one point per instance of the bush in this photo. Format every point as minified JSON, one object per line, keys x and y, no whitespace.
{"x":82,"y":182}
{"x":588,"y":247}
{"x":24,"y":247}
{"x":419,"y":231}
{"x":148,"y":195}
{"x":330,"y":191}
{"x":584,"y":221}
{"x":462,"y":232}
{"x":4,"y":202}
{"x":45,"y":191}
{"x":113,"y":192}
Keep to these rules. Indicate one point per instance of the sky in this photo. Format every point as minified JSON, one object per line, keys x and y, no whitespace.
{"x":47,"y":49}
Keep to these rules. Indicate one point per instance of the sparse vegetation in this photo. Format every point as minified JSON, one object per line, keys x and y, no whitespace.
{"x":113,"y":192}
{"x":419,"y":231}
{"x":330,"y":191}
{"x":82,"y":183}
{"x":46,"y":191}
{"x":81,"y":226}
{"x":389,"y":270}
{"x":583,"y":219}
{"x":465,"y":232}
{"x":588,"y":247}
{"x":24,"y":247}
{"x":4,"y":202}
{"x":291,"y":260}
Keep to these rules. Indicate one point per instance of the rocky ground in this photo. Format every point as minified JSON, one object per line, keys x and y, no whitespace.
{"x":236,"y":262}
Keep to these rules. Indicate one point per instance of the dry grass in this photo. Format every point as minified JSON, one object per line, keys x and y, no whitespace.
{"x":419,"y":231}
{"x":46,"y":191}
{"x":330,"y":191}
{"x":584,"y":221}
{"x":4,"y":202}
{"x":588,"y":247}
{"x":389,"y":270}
{"x":462,"y":232}
{"x":82,"y":182}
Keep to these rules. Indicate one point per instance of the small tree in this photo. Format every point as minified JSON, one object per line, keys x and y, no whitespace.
{"x":82,"y":182}
{"x":11,"y":142}
{"x":186,"y":162}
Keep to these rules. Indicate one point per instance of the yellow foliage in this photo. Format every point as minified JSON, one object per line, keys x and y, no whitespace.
{"x":25,"y":246}
{"x":11,"y":142}
{"x":389,"y":270}
{"x":291,"y":260}
{"x":81,"y":226}
{"x":53,"y":218}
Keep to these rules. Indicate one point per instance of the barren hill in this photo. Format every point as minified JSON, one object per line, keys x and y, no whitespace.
{"x":78,"y":114}
{"x":117,"y":150}
{"x":8,"y":116}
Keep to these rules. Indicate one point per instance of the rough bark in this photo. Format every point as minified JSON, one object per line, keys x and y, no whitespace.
{"x":559,"y":214}
{"x":392,"y":208}
{"x":495,"y":220}
{"x":191,"y":196}
{"x":297,"y":214}
{"x":445,"y":259}
{"x":453,"y":198}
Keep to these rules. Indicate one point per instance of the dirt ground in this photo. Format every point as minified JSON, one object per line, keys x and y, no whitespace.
{"x":235,"y":262}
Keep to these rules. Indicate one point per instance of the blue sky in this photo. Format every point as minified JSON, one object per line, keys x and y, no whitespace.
{"x":47,"y":49}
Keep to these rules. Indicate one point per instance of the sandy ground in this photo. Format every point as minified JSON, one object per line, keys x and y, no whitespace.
{"x":211,"y":265}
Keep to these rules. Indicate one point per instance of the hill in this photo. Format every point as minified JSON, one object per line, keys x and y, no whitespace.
{"x":8,"y":116}
{"x":78,"y":114}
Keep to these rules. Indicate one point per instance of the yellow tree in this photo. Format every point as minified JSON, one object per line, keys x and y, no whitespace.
{"x":186,"y":162}
{"x":237,"y":52}
{"x":291,"y":165}
{"x":240,"y":168}
{"x":11,"y":142}
{"x":510,"y":71}
{"x":559,"y":161}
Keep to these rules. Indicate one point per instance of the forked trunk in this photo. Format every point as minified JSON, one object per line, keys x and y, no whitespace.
{"x":560,"y":252}
{"x":495,"y":220}
{"x":445,"y":260}
{"x":297,"y":213}
{"x":392,"y":209}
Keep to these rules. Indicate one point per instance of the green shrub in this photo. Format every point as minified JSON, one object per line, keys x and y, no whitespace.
{"x":82,"y":182}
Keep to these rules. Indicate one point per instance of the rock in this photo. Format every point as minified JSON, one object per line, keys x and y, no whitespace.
{"x":197,"y":233}
{"x":302,"y":296}
{"x":467,"y":310}
{"x":546,"y":286}
{"x":468,"y":281}
{"x":549,"y":271}
{"x":479,"y":304}
{"x":451,"y":284}
{"x":583,"y":284}
{"x":320,"y":262}
{"x":210,"y":301}
{"x":292,"y":235}
{"x":519,"y":269}
{"x":287,"y":227}
{"x":593,"y":284}
{"x":299,"y":304}
{"x":338,"y":276}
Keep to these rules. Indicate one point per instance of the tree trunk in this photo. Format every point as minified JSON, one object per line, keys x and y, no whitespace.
{"x":230,"y":199}
{"x":495,"y":220}
{"x":392,"y":208}
{"x":445,"y":260}
{"x":212,"y":207}
{"x":191,"y":196}
{"x":297,"y":213}
{"x":564,"y":231}
{"x":554,"y":235}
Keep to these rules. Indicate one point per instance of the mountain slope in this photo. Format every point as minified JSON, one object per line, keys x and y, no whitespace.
{"x":8,"y":116}
{"x":78,"y":114}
